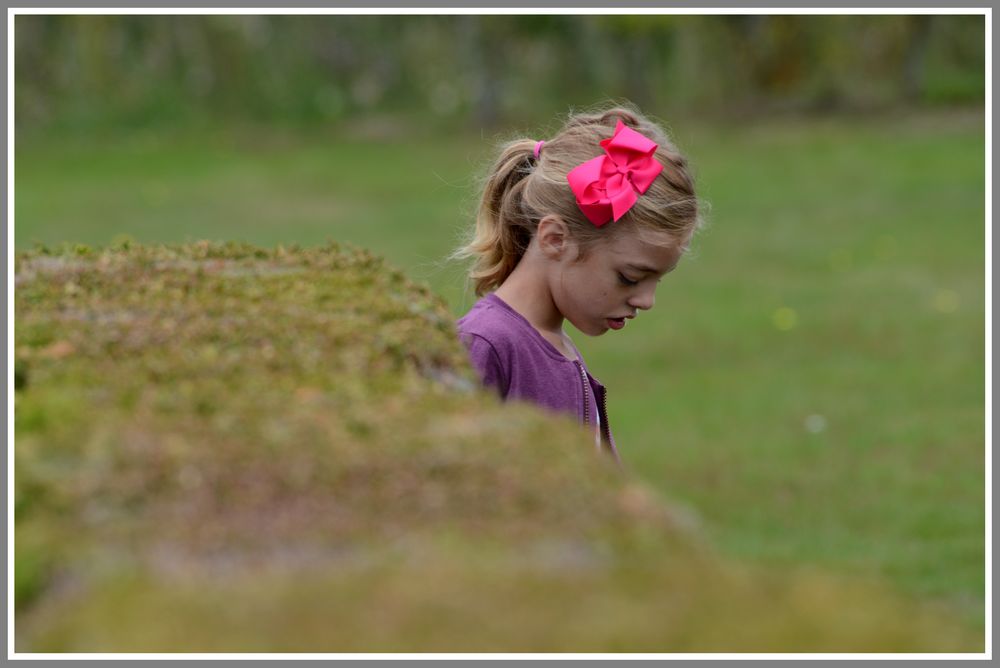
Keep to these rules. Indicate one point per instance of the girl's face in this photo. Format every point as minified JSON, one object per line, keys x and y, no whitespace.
{"x":613,"y":282}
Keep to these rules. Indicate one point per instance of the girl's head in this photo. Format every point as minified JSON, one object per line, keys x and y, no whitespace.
{"x":524,"y":195}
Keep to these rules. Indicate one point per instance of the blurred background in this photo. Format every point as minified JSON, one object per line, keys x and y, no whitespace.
{"x":811,"y":381}
{"x":481,"y":71}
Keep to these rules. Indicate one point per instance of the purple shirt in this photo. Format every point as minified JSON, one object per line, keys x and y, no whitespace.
{"x":512,"y":357}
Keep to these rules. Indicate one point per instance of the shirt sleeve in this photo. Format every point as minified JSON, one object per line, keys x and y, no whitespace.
{"x":486,"y":361}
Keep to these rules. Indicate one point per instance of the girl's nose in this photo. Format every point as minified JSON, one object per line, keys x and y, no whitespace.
{"x":643,"y":299}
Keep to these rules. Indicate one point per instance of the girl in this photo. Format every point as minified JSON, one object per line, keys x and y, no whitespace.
{"x":579,"y":227}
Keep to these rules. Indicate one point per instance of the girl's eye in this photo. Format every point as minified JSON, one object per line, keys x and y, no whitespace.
{"x":625,"y":281}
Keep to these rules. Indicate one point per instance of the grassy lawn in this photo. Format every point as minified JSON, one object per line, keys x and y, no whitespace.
{"x":811,"y":382}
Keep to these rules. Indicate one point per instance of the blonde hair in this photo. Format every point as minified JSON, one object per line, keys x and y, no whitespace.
{"x":520,"y":190}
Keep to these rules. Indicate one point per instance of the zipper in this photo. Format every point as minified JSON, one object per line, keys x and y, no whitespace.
{"x":605,"y":438}
{"x":586,"y":395}
{"x":606,"y":428}
{"x":605,"y":431}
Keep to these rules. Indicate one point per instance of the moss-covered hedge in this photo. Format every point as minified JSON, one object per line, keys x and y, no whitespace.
{"x":226,"y":448}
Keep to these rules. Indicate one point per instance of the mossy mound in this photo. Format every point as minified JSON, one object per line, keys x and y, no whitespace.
{"x":227,"y":448}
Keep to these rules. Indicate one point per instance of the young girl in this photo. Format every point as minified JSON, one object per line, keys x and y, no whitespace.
{"x":580,"y":227}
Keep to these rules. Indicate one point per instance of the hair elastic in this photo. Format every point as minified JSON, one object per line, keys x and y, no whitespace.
{"x":538,"y":148}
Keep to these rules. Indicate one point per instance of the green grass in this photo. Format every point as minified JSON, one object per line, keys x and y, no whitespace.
{"x":872,"y":233}
{"x":869,"y":230}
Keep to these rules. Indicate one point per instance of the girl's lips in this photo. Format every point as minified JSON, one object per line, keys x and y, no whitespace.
{"x":616,"y":323}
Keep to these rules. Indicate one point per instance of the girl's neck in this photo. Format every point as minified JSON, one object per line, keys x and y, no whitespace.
{"x":526,"y":291}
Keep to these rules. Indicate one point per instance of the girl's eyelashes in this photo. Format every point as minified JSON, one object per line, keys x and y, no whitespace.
{"x":626,"y":281}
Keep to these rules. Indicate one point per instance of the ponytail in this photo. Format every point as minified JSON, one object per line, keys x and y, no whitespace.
{"x":503,"y":228}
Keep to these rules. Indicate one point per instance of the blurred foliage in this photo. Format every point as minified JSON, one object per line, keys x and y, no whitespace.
{"x":87,"y":71}
{"x":229,"y":448}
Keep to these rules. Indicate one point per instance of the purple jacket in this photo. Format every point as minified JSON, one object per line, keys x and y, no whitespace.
{"x":515,"y":359}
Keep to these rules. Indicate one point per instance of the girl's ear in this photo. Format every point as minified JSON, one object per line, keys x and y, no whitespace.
{"x":553,"y":237}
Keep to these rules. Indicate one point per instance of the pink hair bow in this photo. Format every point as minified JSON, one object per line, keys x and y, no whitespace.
{"x":607,"y":186}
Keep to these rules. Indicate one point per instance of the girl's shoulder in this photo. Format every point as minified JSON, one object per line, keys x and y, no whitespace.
{"x":492,"y":320}
{"x":509,"y":334}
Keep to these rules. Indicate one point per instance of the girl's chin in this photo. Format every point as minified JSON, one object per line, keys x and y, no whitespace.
{"x":597,"y":330}
{"x":591,"y":327}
